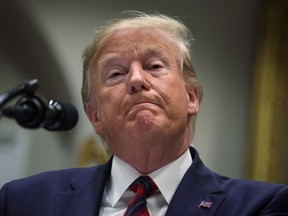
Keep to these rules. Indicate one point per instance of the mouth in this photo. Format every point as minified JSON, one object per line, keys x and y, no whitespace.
{"x":143,"y":105}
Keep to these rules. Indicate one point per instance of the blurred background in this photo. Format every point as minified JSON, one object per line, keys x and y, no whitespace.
{"x":240,"y":56}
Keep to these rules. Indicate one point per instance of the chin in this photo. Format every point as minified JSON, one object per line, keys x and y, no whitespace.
{"x":146,"y":122}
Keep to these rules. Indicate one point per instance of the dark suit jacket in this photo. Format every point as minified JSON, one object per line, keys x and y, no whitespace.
{"x":79,"y":192}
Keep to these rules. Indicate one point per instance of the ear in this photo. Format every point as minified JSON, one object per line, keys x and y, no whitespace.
{"x":92,"y":115}
{"x":193,"y":100}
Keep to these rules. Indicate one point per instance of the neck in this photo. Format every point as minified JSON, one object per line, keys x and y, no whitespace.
{"x":147,"y":158}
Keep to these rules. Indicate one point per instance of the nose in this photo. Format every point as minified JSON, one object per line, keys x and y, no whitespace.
{"x":137,"y":79}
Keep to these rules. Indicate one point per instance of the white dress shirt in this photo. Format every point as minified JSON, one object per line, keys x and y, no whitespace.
{"x":117,"y":195}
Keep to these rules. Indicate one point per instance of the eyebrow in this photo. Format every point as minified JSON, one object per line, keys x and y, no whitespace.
{"x":104,"y":59}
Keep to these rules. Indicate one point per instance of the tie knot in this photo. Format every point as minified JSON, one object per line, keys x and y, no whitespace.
{"x":143,"y":186}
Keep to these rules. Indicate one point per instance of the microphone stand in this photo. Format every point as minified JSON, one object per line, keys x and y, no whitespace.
{"x":27,"y":87}
{"x":27,"y":118}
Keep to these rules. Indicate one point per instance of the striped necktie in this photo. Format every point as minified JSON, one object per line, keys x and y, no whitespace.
{"x":143,"y":187}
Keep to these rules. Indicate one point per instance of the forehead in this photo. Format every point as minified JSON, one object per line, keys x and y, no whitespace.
{"x":124,"y":42}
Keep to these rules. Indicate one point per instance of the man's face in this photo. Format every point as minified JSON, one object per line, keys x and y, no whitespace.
{"x":140,"y":92}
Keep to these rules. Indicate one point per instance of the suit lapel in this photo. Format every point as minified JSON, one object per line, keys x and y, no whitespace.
{"x":85,"y":194}
{"x":198,"y":186}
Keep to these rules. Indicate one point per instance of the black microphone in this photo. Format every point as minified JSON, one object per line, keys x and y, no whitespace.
{"x":32,"y":112}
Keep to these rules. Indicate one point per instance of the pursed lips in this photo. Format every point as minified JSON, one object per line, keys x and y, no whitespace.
{"x":142,"y":104}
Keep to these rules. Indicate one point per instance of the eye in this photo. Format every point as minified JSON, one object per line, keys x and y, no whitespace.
{"x":114,"y":75}
{"x":155,"y":66}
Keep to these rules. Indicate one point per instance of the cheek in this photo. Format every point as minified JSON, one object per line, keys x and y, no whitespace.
{"x":176,"y":100}
{"x":176,"y":92}
{"x":109,"y":104}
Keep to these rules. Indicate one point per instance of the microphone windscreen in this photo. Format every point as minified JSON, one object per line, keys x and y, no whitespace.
{"x":65,"y":116}
{"x":71,"y":117}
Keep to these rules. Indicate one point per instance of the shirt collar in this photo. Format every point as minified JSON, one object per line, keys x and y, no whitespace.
{"x":167,"y":177}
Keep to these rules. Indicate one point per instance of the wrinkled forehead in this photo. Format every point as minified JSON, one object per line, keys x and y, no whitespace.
{"x":145,"y":41}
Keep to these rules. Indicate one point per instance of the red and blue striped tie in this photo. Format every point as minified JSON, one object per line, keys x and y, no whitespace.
{"x":143,"y":187}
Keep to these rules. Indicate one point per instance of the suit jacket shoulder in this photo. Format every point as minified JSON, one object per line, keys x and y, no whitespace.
{"x":203,"y":192}
{"x":63,"y":192}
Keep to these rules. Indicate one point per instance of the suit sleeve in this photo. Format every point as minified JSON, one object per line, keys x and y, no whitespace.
{"x":3,"y":201}
{"x":279,"y":203}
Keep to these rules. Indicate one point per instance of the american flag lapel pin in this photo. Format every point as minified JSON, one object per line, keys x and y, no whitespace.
{"x":205,"y":204}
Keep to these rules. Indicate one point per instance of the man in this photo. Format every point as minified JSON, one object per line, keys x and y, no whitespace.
{"x":141,"y":95}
